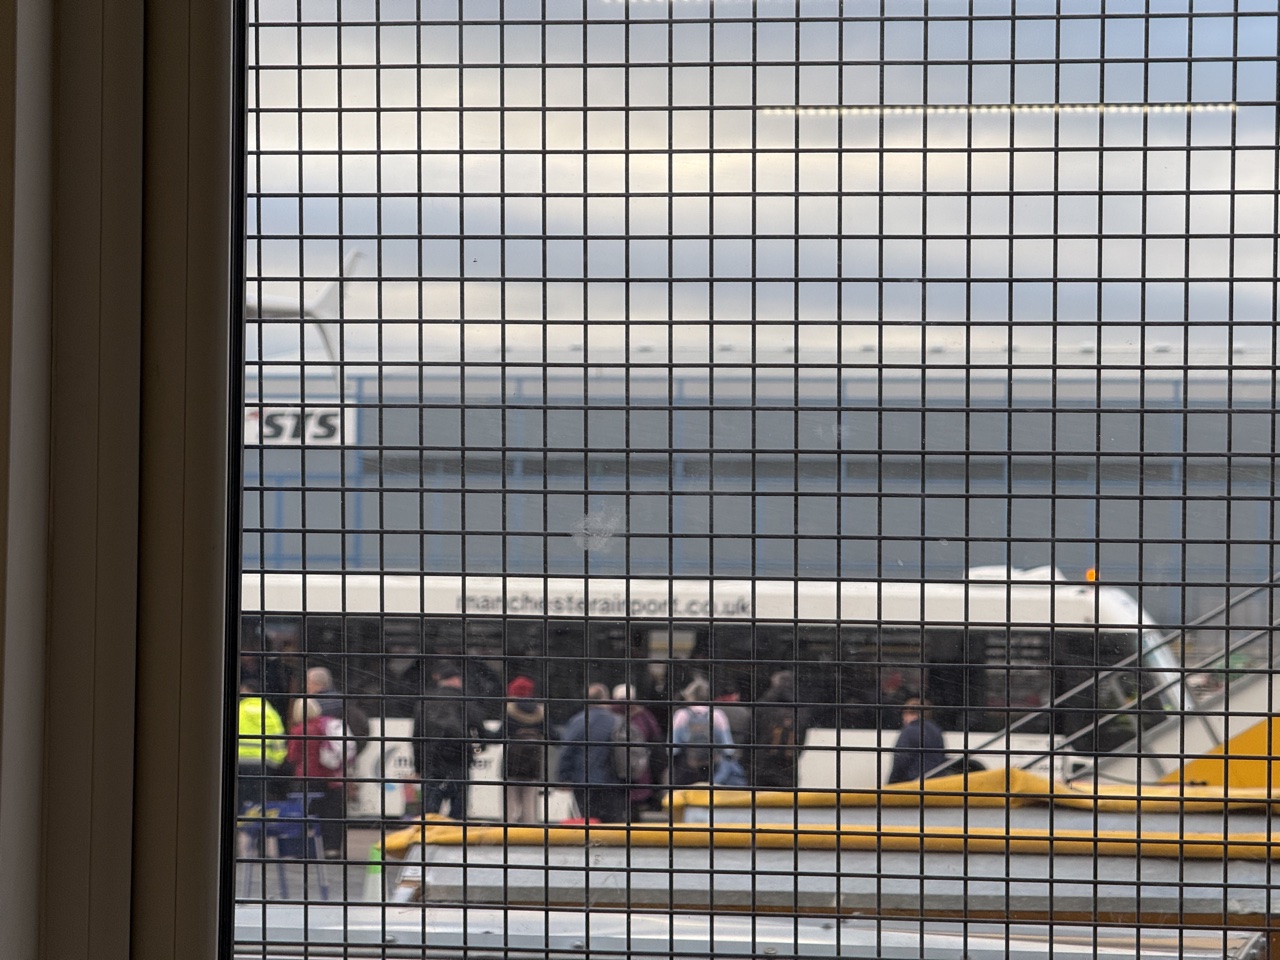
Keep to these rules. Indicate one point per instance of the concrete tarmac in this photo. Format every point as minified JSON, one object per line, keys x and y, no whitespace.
{"x":314,"y":881}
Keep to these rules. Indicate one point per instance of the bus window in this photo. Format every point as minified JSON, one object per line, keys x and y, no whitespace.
{"x":1019,"y":680}
{"x":732,"y":659}
{"x":817,"y":676}
{"x":348,"y":647}
{"x":947,"y":681}
{"x":1083,"y":659}
{"x":859,"y":679}
{"x":271,"y":658}
{"x":695,"y":662}
{"x":610,"y":649}
{"x":482,"y":646}
{"x":671,"y":641}
{"x":616,"y":653}
{"x":395,"y":680}
{"x":661,"y":646}
{"x":775,"y":649}
{"x":566,"y":669}
{"x":884,"y":667}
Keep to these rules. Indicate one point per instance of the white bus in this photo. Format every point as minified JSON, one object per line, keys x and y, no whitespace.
{"x":1020,"y":649}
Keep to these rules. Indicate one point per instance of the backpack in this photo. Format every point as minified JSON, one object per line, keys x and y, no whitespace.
{"x":357,"y":726}
{"x":778,"y":749}
{"x":526,"y":742}
{"x":346,"y":710}
{"x":782,"y":729}
{"x":630,"y":752}
{"x":337,"y":749}
{"x":696,"y":749}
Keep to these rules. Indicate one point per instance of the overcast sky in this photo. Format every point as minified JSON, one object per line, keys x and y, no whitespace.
{"x":470,"y":165}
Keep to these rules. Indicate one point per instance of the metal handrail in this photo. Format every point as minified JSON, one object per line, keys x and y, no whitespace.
{"x":1133,"y":659}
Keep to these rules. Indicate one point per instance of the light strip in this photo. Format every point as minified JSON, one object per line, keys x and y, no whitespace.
{"x":673,"y":2}
{"x":1000,"y":108}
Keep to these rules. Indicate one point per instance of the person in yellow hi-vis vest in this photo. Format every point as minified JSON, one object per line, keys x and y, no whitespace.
{"x":261,"y":749}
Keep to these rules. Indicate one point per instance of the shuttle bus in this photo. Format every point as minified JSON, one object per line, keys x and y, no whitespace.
{"x":1005,"y":650}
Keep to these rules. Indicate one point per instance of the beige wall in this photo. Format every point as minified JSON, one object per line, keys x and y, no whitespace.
{"x":114,"y":252}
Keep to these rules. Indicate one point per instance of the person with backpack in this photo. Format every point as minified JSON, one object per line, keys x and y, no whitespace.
{"x":587,"y":764}
{"x":635,"y":737}
{"x":446,"y":726}
{"x":320,"y":688}
{"x":700,"y":737}
{"x":320,"y":751}
{"x":524,"y":726}
{"x":781,"y":725}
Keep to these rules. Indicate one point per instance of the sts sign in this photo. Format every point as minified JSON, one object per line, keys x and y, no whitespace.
{"x":295,"y":426}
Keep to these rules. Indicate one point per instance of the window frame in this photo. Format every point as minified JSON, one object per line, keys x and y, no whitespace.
{"x":116,"y":194}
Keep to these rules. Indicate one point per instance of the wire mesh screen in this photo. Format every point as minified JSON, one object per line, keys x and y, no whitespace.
{"x":777,"y":478}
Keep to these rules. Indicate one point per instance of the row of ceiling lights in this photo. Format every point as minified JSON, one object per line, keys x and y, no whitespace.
{"x":973,"y":108}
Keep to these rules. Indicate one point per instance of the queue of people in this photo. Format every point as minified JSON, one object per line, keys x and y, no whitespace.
{"x":613,"y":756}
{"x":720,"y":741}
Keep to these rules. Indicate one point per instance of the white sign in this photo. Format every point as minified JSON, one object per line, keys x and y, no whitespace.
{"x":297,"y":426}
{"x":383,"y":769}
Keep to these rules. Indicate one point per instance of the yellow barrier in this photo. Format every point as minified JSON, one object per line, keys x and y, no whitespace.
{"x":994,"y":789}
{"x":896,"y":839}
{"x":1247,"y":760}
{"x":989,"y":788}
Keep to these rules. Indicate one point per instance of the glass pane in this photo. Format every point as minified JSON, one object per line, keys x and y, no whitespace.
{"x":710,"y":419}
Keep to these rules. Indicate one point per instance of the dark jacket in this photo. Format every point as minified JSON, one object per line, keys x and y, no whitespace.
{"x":587,"y":754}
{"x":780,"y":726}
{"x":525,"y":730}
{"x":446,"y":725}
{"x":918,"y":751}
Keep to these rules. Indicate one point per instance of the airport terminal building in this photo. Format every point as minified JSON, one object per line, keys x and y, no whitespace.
{"x":879,"y":462}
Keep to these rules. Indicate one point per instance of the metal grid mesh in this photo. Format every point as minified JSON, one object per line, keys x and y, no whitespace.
{"x":799,"y":356}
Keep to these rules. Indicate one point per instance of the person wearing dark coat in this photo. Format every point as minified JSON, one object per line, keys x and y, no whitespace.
{"x":524,"y":729}
{"x":780,"y":728}
{"x":446,"y":726}
{"x":643,"y":729}
{"x":587,"y":760}
{"x":920,"y":748}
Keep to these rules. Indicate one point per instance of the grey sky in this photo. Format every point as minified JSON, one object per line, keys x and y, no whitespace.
{"x":434,"y":147}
